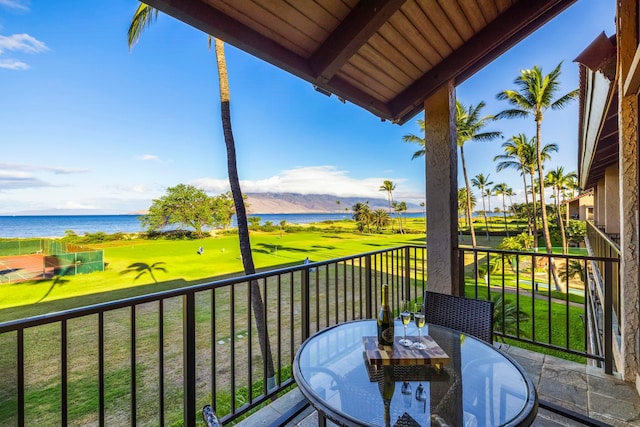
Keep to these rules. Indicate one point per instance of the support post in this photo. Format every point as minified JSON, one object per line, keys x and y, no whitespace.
{"x":629,"y":318}
{"x":441,"y":157}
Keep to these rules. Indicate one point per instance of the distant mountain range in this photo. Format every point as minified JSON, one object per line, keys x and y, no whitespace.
{"x":267,"y":203}
{"x":258,"y":203}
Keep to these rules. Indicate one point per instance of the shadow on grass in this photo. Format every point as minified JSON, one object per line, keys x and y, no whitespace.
{"x":142,"y":268}
{"x":267,"y":248}
{"x":57,"y":281}
{"x":35,"y":309}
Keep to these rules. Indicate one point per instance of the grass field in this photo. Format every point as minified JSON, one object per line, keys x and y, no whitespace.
{"x":136,"y":267}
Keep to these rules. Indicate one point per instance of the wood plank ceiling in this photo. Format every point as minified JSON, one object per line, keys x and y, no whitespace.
{"x":386,"y":56}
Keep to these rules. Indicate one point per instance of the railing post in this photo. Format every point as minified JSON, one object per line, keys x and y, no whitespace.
{"x":189,"y":358}
{"x":304,"y":297}
{"x":460,"y":254}
{"x":367,"y":286}
{"x":407,"y":273}
{"x":608,"y":318}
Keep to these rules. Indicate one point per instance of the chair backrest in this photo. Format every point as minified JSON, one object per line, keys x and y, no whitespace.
{"x":471,"y":316}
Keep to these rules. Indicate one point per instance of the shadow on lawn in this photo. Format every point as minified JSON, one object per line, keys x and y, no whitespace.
{"x":143,"y":268}
{"x":43,"y":307}
{"x":267,"y":248}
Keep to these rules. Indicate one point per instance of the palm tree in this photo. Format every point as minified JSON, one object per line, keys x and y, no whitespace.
{"x":414,"y":139}
{"x":399,"y":208}
{"x":560,"y":181}
{"x":520,"y":154}
{"x":509,"y":193}
{"x":462,"y":203}
{"x":363,"y":216}
{"x":380,"y":219}
{"x":480,"y":182}
{"x":389,"y":187}
{"x":468,"y":126}
{"x":142,"y":18}
{"x":501,"y":190}
{"x":535,"y":94}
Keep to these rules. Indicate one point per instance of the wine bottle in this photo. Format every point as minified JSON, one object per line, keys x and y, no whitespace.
{"x":385,"y":320}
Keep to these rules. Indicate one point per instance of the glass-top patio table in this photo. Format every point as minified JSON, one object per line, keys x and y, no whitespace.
{"x":473,"y":385}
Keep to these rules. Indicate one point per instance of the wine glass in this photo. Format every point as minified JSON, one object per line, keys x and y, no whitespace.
{"x":406,"y":393}
{"x":405,"y":315}
{"x":419,"y":319}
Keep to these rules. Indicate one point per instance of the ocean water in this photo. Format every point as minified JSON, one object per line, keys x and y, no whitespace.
{"x":57,"y":225}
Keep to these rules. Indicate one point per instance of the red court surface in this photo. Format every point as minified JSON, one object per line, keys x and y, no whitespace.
{"x":23,"y":267}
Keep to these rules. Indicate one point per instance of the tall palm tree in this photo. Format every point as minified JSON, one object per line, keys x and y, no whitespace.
{"x":501,"y":190}
{"x":468,"y":126}
{"x":480,"y":182}
{"x":462,"y":203}
{"x":559,"y":181}
{"x":535,"y":94}
{"x":142,"y":18}
{"x":389,"y":187}
{"x":518,"y":155}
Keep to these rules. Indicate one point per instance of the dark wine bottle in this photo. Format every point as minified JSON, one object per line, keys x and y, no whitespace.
{"x":385,"y":320}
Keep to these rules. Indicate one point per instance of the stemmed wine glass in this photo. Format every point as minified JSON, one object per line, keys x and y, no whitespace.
{"x":419,"y":319}
{"x":406,"y":393}
{"x":405,"y":315}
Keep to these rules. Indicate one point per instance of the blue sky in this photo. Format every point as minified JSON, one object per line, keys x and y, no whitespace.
{"x":90,"y":126}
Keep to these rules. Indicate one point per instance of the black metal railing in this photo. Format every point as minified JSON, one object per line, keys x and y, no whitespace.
{"x":546,"y":300}
{"x":157,"y":359}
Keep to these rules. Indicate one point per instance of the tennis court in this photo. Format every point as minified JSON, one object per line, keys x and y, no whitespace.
{"x":23,"y":267}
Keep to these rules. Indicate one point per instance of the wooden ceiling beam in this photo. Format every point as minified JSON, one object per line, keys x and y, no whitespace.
{"x":355,"y":30}
{"x":517,"y":22}
{"x":211,"y":21}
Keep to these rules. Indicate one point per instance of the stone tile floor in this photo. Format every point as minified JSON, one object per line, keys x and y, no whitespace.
{"x":580,"y":388}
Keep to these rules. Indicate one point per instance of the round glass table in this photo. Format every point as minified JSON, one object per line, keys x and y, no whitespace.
{"x":462,"y":381}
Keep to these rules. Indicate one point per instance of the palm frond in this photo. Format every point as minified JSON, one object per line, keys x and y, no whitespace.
{"x":513,"y":114}
{"x":144,"y":16}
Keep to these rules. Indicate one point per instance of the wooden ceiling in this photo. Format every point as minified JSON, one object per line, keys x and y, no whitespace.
{"x":386,"y":56}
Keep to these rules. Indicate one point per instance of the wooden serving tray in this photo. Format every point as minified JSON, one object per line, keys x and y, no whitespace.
{"x":400,"y":355}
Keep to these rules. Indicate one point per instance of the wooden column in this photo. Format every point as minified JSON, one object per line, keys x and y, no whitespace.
{"x":628,"y":72}
{"x":441,"y":190}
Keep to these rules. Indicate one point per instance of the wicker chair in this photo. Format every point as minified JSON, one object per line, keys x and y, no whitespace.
{"x":209,"y":417}
{"x":471,"y":316}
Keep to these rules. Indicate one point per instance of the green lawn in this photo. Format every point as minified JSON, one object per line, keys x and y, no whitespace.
{"x":169,"y":264}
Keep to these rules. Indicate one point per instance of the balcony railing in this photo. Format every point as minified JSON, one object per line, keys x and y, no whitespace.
{"x":157,"y":359}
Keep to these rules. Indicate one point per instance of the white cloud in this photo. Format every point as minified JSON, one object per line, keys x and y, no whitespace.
{"x":15,"y":5}
{"x":71,"y":204}
{"x":13,"y":64}
{"x":22,"y":43}
{"x":315,"y":180}
{"x":150,"y":158}
{"x":36,"y":168}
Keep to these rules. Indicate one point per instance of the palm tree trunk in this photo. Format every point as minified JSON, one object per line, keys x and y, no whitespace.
{"x":560,"y":222}
{"x":526,"y":200}
{"x":466,"y":183}
{"x":545,"y":220}
{"x":243,"y":229}
{"x":535,"y":211}
{"x":504,"y":215}
{"x":484,"y":211}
